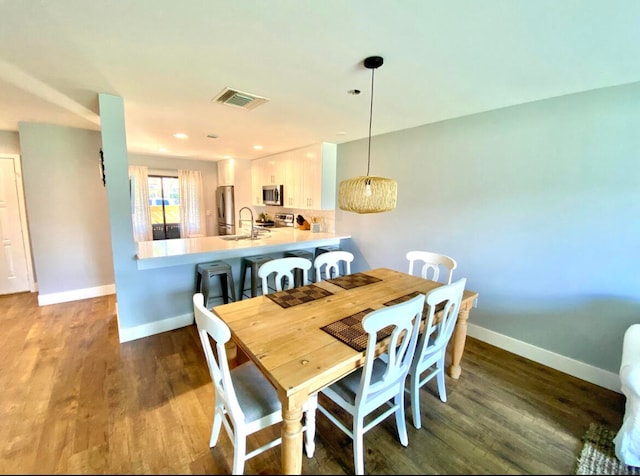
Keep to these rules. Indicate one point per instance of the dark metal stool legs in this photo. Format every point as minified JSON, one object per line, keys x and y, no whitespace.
{"x":252,"y":263}
{"x":297,"y":274}
{"x":204,"y":274}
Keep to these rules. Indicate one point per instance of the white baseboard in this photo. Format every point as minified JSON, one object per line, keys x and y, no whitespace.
{"x":152,"y":328}
{"x":559,"y":362}
{"x":75,"y":295}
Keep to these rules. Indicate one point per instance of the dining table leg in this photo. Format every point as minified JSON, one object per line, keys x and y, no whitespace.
{"x":292,"y":433}
{"x":459,"y":339}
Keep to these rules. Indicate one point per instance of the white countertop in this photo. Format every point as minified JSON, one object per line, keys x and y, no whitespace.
{"x":162,"y":253}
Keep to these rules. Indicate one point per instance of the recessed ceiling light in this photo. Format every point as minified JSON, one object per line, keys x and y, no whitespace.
{"x":163,"y":149}
{"x":341,"y":133}
{"x":257,"y":147}
{"x":180,"y":135}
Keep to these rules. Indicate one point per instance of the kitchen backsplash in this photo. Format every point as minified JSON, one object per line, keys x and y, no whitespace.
{"x":327,"y":218}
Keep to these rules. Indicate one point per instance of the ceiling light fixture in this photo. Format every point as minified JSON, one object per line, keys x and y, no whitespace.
{"x":180,"y":135}
{"x":368,"y":194}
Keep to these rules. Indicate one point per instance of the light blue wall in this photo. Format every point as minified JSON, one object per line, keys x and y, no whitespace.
{"x":66,"y":208}
{"x":143,"y":296}
{"x":538,"y":203}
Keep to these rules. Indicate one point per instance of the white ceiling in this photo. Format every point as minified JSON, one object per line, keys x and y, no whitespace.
{"x":168,"y":58}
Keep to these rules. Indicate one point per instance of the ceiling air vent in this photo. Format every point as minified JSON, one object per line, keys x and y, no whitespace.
{"x":235,"y":98}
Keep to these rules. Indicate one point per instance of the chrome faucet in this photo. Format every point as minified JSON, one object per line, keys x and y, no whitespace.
{"x":250,"y":224}
{"x":255,"y":231}
{"x":251,"y":234}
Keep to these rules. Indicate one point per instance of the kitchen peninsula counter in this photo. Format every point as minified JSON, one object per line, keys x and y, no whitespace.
{"x":181,"y":251}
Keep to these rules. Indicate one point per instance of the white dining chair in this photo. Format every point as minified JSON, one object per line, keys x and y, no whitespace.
{"x":283,"y":271}
{"x":330,"y":262}
{"x":245,"y":401}
{"x":432,"y":345}
{"x":379,"y":382}
{"x":431,"y":264}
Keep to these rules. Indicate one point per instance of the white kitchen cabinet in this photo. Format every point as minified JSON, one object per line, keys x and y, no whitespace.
{"x":318,"y":172}
{"x":293,"y":187}
{"x":273,"y":170}
{"x":237,"y":172}
{"x":308,"y":175}
{"x":256,"y":182}
{"x":226,"y":172}
{"x":266,"y":171}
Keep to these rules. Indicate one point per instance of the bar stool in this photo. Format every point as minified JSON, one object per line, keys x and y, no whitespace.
{"x":297,"y":274}
{"x":251,"y":263}
{"x":204,"y":273}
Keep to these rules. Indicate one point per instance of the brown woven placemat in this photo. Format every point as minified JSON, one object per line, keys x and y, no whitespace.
{"x":406,"y":297}
{"x":349,"y":330}
{"x":355,"y":280}
{"x":295,"y":296}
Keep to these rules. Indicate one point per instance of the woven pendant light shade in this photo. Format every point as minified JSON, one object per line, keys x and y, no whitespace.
{"x":381,"y":195}
{"x":367,"y":194}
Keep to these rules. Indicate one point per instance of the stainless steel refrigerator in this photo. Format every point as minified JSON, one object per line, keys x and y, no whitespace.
{"x":226,"y":210}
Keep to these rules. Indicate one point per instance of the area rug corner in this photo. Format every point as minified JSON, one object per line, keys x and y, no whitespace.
{"x":598,"y":454}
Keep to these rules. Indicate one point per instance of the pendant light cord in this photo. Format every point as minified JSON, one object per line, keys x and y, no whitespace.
{"x":373,"y":71}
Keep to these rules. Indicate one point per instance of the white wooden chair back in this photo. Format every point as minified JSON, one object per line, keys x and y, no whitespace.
{"x":432,"y":345}
{"x":209,"y":324}
{"x":431,"y":264}
{"x":283,"y":269}
{"x":380,"y":382}
{"x":255,"y":406}
{"x":330,"y":262}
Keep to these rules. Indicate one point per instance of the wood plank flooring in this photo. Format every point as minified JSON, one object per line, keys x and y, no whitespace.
{"x":75,"y":400}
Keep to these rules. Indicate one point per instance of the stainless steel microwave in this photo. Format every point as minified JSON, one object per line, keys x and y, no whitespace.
{"x":272,"y":195}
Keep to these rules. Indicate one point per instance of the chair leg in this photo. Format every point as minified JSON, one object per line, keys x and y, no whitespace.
{"x":401,"y":423}
{"x":442,"y":390}
{"x":239,"y":451}
{"x":310,"y":426}
{"x":358,"y":444}
{"x":414,"y":391}
{"x":215,"y":428}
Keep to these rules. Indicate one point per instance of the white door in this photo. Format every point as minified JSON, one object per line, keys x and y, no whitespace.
{"x":14,"y":269}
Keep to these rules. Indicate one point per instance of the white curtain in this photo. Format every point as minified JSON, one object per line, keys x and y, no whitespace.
{"x":140,"y":211}
{"x":192,"y":222}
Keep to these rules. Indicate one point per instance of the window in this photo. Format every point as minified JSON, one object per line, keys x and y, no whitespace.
{"x":164,"y":201}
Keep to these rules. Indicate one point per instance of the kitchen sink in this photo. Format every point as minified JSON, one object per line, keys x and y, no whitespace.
{"x":235,"y":237}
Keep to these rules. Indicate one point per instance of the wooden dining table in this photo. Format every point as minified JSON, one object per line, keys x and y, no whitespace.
{"x":282,"y":333}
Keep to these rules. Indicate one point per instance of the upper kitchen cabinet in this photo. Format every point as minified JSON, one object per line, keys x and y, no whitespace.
{"x":273,"y":170}
{"x":308,"y":175}
{"x":226,"y":172}
{"x":266,"y":171}
{"x":237,"y":172}
{"x":319,"y":176}
{"x":256,"y":182}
